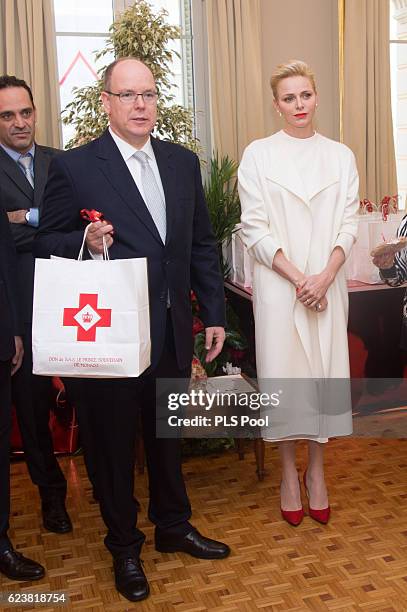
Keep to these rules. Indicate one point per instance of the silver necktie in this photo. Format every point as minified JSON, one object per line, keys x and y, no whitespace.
{"x":25,"y":162}
{"x":152,"y":195}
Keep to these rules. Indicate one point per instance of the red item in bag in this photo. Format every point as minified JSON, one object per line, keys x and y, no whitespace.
{"x":92,"y":215}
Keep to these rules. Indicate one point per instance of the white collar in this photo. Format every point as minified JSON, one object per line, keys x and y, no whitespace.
{"x":127,"y":150}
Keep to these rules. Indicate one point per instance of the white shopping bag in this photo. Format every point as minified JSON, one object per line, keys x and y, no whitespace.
{"x":372,"y":231}
{"x":91,"y":318}
{"x":242,"y":262}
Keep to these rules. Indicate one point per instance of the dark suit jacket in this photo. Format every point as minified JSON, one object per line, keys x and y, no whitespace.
{"x":95,"y":176}
{"x":10,"y":320}
{"x":18,"y":194}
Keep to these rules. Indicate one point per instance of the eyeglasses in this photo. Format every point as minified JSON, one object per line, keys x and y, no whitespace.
{"x":129,"y":97}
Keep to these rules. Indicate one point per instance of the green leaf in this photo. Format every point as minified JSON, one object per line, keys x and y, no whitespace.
{"x":200,"y":351}
{"x":223,"y":202}
{"x":235,"y":340}
{"x":139,"y":32}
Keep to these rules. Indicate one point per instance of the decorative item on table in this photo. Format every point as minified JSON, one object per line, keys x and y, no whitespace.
{"x":198,"y":371}
{"x":378,"y":223}
{"x":366,"y":206}
{"x":388,"y":205}
{"x":241,"y":269}
{"x":230,"y":369}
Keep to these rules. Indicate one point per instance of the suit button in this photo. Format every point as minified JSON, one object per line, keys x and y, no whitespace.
{"x":167,"y":261}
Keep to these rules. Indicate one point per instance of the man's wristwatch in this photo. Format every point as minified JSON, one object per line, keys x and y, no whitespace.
{"x":27,"y":216}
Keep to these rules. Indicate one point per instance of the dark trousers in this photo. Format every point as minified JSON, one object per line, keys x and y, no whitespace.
{"x":111,"y":407}
{"x":75,"y":396}
{"x":33,"y":400}
{"x":5,"y":427}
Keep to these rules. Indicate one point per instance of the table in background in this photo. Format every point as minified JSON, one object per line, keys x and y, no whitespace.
{"x":374,"y":327}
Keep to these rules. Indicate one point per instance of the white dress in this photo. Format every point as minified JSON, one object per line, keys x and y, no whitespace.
{"x":301,"y":196}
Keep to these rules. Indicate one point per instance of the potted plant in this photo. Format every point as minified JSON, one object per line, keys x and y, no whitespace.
{"x":224,"y":211}
{"x":137,"y":32}
{"x":223,"y":203}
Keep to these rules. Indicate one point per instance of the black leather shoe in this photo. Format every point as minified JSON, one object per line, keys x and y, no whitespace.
{"x":17,"y":567}
{"x":54,"y":515}
{"x":193,"y":543}
{"x":130,"y":579}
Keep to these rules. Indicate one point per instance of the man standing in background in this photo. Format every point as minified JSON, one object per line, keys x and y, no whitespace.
{"x":12,"y":563}
{"x":23,"y":174}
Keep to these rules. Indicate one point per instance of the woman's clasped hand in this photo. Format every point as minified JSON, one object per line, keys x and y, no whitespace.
{"x":311,"y":291}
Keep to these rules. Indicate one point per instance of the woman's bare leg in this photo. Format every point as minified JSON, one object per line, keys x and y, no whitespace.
{"x":290,"y":489}
{"x":315,"y":476}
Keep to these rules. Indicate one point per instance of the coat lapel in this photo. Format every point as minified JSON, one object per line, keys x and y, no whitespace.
{"x":326,"y":173}
{"x":116,"y":172}
{"x":283,"y":171}
{"x":41,"y":164}
{"x":12,"y":170}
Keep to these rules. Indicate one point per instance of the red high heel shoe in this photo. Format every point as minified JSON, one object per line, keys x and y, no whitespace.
{"x":322,"y":514}
{"x":293,"y":517}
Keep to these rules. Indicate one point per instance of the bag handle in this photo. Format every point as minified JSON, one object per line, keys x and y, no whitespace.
{"x":105,"y":249}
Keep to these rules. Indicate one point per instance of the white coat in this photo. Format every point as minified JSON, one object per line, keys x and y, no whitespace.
{"x":277,"y":213}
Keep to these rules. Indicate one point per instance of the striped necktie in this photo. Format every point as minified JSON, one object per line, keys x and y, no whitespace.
{"x":25,"y":161}
{"x":152,"y":195}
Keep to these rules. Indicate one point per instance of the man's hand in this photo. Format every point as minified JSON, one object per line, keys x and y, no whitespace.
{"x":384,"y":261}
{"x":94,"y":237}
{"x":17,"y":216}
{"x":214,"y":339}
{"x":18,"y":357}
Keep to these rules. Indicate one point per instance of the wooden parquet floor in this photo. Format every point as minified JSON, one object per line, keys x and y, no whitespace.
{"x":358,"y":562}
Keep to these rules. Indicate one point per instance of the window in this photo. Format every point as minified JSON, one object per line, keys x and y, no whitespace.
{"x":398,"y":65}
{"x":82,"y":28}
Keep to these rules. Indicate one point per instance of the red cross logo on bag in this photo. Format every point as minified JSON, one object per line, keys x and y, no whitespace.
{"x":87,"y":317}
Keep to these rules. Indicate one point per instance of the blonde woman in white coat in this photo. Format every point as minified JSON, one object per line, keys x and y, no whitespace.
{"x":299,"y":197}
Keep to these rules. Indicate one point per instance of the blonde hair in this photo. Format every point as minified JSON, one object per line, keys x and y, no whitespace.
{"x":291,"y":68}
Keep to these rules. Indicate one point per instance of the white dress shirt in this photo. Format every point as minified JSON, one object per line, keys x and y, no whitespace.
{"x":127,"y":151}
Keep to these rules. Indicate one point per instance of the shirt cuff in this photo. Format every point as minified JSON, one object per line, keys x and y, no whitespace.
{"x":96,"y":256}
{"x":345,"y":241}
{"x":33,"y":217}
{"x":388,"y":273}
{"x":264,"y":250}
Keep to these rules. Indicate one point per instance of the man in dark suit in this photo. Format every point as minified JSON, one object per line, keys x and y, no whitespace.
{"x":23,"y":174}
{"x":151,"y":193}
{"x":12,"y":564}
